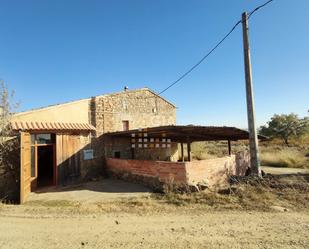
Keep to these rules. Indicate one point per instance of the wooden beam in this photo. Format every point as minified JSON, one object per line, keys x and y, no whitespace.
{"x":189,"y":150}
{"x":182,"y":154}
{"x":229,"y":145}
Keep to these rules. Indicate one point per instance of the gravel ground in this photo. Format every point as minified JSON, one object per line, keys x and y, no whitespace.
{"x":105,"y":189}
{"x":225,"y":229}
{"x":72,"y":217}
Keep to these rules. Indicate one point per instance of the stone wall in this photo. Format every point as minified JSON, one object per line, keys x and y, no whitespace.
{"x":113,"y":145}
{"x":123,"y":146}
{"x":212,"y":172}
{"x":141,"y":108}
{"x":158,"y":154}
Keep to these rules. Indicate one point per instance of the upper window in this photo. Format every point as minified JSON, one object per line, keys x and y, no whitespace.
{"x":43,"y":138}
{"x":125,"y":125}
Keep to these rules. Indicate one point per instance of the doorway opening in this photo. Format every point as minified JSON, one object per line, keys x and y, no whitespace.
{"x":45,"y":165}
{"x":43,"y":160}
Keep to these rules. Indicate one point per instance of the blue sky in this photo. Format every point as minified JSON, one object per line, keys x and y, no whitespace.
{"x":54,"y":51}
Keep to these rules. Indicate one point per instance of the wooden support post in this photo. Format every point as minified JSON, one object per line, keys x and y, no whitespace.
{"x":182,"y":154}
{"x":189,"y":150}
{"x":229,"y":145}
{"x":253,"y":141}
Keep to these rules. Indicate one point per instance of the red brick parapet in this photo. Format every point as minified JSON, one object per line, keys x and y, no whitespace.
{"x":211,"y":172}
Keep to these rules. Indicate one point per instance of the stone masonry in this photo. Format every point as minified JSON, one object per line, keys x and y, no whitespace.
{"x":141,"y":108}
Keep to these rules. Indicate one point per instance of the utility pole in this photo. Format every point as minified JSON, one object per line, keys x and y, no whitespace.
{"x":253,"y":140}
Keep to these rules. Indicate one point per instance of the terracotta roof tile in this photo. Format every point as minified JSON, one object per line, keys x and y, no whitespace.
{"x":50,"y":126}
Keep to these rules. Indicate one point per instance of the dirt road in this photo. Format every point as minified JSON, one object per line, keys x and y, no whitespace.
{"x":94,"y":215}
{"x":232,"y":229}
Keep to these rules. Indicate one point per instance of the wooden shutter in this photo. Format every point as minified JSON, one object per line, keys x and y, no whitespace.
{"x":25,"y":166}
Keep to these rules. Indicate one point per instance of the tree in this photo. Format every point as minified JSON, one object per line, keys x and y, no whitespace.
{"x":9,"y":146}
{"x":5,"y":112}
{"x":285,"y":126}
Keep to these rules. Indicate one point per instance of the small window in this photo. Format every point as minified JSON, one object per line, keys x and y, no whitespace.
{"x":43,"y":138}
{"x":117,"y":154}
{"x":125,"y":125}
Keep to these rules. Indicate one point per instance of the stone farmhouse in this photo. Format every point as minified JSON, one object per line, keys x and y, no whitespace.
{"x":132,"y":132}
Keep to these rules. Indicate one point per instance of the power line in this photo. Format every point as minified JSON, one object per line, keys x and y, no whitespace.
{"x":201,"y":60}
{"x":259,"y":7}
{"x":213,"y":49}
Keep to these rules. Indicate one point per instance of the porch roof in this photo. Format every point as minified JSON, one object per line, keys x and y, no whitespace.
{"x":192,"y":133}
{"x":50,"y":126}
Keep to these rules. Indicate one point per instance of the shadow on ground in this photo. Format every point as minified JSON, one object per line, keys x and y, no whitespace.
{"x":100,"y":190}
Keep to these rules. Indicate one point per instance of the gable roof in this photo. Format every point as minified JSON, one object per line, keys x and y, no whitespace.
{"x":89,"y":98}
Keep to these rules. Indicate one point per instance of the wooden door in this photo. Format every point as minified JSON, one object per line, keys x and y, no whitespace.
{"x":68,"y":157}
{"x":25,"y":166}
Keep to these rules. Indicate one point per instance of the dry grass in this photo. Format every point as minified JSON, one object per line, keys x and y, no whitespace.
{"x":211,"y":149}
{"x":249,"y":194}
{"x":302,"y":141}
{"x":275,"y":153}
{"x":272,"y":153}
{"x":284,"y":157}
{"x":288,"y":192}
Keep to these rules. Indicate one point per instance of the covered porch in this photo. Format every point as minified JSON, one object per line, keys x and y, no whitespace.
{"x":150,"y":153}
{"x":51,"y":153}
{"x":165,"y":137}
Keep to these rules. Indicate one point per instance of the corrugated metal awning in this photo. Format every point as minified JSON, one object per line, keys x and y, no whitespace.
{"x":192,"y":133}
{"x":50,"y":126}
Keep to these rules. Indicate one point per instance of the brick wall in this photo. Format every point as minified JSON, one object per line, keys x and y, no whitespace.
{"x":213,"y":172}
{"x":164,"y":171}
{"x":242,"y":162}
